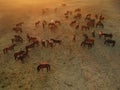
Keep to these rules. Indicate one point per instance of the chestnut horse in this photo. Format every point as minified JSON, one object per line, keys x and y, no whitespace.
{"x":5,"y":50}
{"x":89,"y":40}
{"x":41,"y":66}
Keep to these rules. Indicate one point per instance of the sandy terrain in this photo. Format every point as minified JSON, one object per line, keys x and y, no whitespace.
{"x":72,"y":67}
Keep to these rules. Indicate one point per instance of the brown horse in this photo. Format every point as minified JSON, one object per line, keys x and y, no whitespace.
{"x":56,"y":41}
{"x":37,"y":23}
{"x":52,"y":26}
{"x":41,"y":66}
{"x":11,"y":47}
{"x":19,"y":24}
{"x":22,"y":56}
{"x":84,"y":43}
{"x":83,"y":27}
{"x":73,"y":23}
{"x":89,"y":40}
{"x":19,"y":53}
{"x":17,"y":38}
{"x":105,"y":35}
{"x":31,"y":39}
{"x":58,"y":22}
{"x":77,"y":10}
{"x":17,"y":29}
{"x":77,"y":16}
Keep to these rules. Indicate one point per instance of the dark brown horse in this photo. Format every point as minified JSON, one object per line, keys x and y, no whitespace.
{"x":22,"y":56}
{"x":41,"y":66}
{"x":56,"y":41}
{"x":77,"y":16}
{"x":11,"y":47}
{"x":77,"y":10}
{"x":84,"y":43}
{"x":17,"y":38}
{"x":37,"y":23}
{"x":73,"y":23}
{"x":17,"y":29}
{"x":30,"y":38}
{"x":89,"y":40}
{"x":105,"y":35}
{"x":84,"y":27}
{"x":19,"y":53}
{"x":19,"y":24}
{"x":52,"y":26}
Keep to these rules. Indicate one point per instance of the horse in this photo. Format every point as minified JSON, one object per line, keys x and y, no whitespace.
{"x":88,"y":17}
{"x":77,"y":10}
{"x":11,"y":47}
{"x":22,"y":56}
{"x":105,"y":35}
{"x":19,"y":53}
{"x":89,"y":40}
{"x":31,"y":38}
{"x":109,"y":42}
{"x":17,"y":29}
{"x":84,"y":43}
{"x":83,"y":27}
{"x":91,"y":23}
{"x":56,"y":41}
{"x":99,"y":24}
{"x":77,"y":16}
{"x":73,"y":23}
{"x":57,"y":22}
{"x":52,"y":26}
{"x":19,"y":24}
{"x":17,"y":38}
{"x":37,"y":23}
{"x":41,"y":66}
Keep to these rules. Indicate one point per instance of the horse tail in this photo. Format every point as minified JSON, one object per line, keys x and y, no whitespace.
{"x":38,"y":68}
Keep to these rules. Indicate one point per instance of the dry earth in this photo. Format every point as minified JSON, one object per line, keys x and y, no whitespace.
{"x":72,"y":67}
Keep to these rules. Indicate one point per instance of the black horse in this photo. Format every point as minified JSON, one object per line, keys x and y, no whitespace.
{"x":110,"y":42}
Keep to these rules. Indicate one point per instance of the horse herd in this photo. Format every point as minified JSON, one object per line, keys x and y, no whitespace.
{"x":90,"y":23}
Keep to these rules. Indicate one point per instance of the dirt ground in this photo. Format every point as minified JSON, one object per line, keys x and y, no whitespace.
{"x":72,"y":67}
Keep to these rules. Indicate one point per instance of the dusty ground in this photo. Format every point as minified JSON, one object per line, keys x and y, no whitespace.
{"x":72,"y":67}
